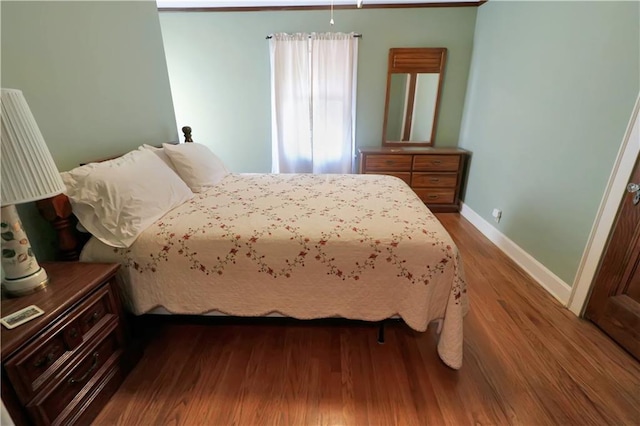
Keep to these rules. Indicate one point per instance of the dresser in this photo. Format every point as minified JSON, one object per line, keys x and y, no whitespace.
{"x":435,"y":174}
{"x":63,"y":366}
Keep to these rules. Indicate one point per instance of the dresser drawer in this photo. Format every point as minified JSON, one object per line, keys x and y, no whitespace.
{"x":35,"y":365}
{"x":391,"y":163}
{"x":435,"y":174}
{"x":436,"y":163}
{"x":436,"y":196}
{"x":405,"y":176}
{"x":72,"y":389}
{"x":434,"y":180}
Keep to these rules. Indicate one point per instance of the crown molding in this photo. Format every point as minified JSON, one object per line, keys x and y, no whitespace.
{"x":284,"y":5}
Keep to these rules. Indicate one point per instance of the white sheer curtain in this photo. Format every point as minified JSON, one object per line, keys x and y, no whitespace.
{"x":313,"y":102}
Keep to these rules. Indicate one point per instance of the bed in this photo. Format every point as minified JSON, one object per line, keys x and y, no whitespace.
{"x":306,"y":246}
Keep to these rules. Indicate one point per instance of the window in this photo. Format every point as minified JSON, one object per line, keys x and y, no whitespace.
{"x":313,"y":99}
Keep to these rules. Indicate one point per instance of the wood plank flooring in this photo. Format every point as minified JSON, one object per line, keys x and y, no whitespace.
{"x":527,"y":361}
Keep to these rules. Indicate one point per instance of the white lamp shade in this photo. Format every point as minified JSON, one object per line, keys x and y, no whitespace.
{"x":28,"y":171}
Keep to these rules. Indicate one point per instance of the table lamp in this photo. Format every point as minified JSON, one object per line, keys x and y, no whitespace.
{"x":28,"y":174}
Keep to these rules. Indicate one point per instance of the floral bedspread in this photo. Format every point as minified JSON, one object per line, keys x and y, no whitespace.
{"x":305,"y":246}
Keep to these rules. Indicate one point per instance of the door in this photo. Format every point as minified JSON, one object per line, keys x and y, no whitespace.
{"x":614,"y":304}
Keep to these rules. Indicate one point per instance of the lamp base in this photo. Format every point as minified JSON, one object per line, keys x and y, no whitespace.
{"x":22,"y":273}
{"x":26,"y":285}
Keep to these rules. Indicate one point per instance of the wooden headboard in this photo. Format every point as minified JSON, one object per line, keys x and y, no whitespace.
{"x":57,"y":211}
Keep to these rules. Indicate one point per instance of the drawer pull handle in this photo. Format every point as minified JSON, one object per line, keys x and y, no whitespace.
{"x":73,"y":333}
{"x":86,"y":374}
{"x":389,"y":162}
{"x":47,"y":358}
{"x":437,"y":162}
{"x":94,"y":317}
{"x":434,"y":180}
{"x":432,"y":197}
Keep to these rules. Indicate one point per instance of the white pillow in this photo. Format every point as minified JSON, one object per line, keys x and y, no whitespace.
{"x":117,"y":200}
{"x":160,"y":153}
{"x":196,"y":164}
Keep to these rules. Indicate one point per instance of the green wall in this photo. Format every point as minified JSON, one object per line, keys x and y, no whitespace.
{"x":220,"y":79}
{"x":95,"y":77}
{"x":551,"y":90}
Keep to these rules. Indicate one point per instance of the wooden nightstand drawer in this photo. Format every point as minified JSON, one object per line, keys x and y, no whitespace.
{"x":436,"y":196}
{"x":436,"y":163}
{"x":434,"y":180}
{"x":35,"y":365}
{"x":388,"y":163}
{"x":61,"y":399}
{"x":99,"y":306}
{"x":81,"y":335}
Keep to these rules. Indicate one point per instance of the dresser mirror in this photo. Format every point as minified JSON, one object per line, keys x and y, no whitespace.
{"x":414,"y":84}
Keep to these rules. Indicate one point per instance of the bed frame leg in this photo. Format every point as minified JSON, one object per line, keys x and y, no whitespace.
{"x":381,"y":333}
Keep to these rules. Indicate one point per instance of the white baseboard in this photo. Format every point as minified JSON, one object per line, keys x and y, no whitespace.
{"x":547,"y":279}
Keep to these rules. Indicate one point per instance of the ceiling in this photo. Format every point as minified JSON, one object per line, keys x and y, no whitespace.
{"x":258,"y":4}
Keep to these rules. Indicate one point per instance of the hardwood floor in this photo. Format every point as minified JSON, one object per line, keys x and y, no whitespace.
{"x":527,"y":361}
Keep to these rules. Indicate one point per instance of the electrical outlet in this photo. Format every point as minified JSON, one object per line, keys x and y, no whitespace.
{"x":497,"y":215}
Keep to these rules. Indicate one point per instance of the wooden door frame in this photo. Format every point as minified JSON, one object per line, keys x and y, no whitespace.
{"x":618,"y":180}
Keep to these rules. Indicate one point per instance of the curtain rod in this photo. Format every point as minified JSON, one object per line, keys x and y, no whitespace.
{"x":270,"y":36}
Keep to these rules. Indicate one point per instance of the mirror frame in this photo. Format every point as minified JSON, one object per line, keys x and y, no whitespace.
{"x":413,"y":61}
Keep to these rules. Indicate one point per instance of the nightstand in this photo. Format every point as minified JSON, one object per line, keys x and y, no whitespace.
{"x":63,"y":366}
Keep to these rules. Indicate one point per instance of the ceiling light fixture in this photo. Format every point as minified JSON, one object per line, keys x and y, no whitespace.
{"x":331,"y":21}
